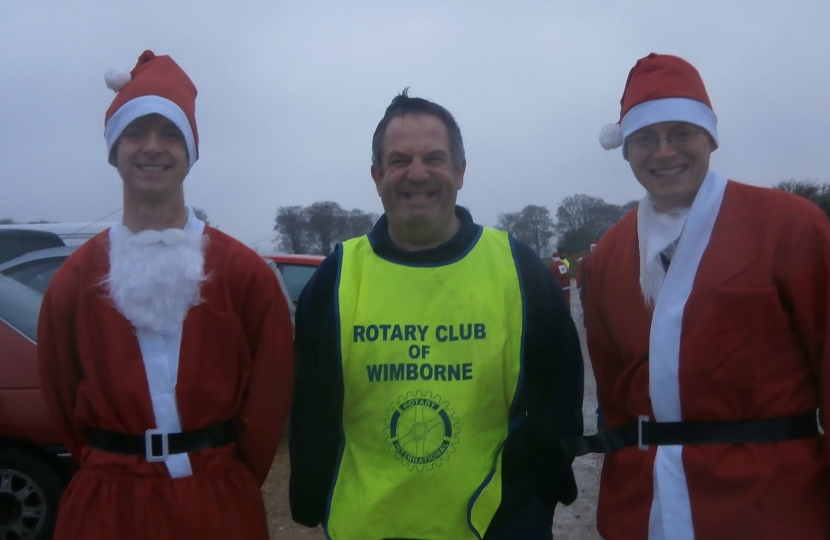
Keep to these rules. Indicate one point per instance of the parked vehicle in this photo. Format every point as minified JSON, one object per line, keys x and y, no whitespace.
{"x":296,"y":270}
{"x":72,"y":234}
{"x":16,"y":242}
{"x":36,"y":268}
{"x":34,"y":467}
{"x":292,"y":308}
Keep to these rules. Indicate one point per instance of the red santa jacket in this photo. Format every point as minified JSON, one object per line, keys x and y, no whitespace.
{"x":753,"y":344}
{"x":235,"y":364}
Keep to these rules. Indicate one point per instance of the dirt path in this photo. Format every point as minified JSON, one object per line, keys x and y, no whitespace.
{"x":575,"y":522}
{"x":578,"y":521}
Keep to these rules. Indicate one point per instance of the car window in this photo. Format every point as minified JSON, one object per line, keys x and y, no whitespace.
{"x":15,"y":245}
{"x":19,"y":306}
{"x":296,"y":276}
{"x":36,"y":274}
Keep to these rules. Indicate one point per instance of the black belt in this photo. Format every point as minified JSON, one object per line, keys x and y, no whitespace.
{"x":156,"y":445}
{"x":644,"y":433}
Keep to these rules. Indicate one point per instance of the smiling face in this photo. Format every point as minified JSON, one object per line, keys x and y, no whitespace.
{"x":151,"y":157}
{"x":417,"y":183}
{"x":672,"y":175}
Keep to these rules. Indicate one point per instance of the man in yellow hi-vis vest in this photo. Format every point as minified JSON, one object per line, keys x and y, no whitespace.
{"x":437,"y":365}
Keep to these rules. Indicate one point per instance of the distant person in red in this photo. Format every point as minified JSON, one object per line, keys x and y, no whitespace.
{"x":580,"y":269}
{"x":708,"y":322}
{"x":560,"y":273}
{"x":165,"y":346}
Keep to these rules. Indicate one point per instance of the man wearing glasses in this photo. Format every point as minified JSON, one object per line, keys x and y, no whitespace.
{"x":706,"y":315}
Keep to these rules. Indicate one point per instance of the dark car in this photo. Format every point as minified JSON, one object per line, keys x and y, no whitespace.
{"x":34,"y":468}
{"x":17,"y":242}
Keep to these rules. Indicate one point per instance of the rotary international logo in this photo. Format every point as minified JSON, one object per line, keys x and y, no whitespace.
{"x":421,"y":430}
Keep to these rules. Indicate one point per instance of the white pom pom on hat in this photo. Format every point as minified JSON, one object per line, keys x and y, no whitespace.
{"x":116,"y":79}
{"x":610,"y":136}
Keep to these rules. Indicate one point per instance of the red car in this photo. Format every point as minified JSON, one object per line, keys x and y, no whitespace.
{"x":296,"y":270}
{"x":34,"y":468}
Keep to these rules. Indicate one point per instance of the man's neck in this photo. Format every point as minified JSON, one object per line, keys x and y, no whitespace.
{"x":142,"y":216}
{"x":675,"y":208}
{"x":423,"y":239}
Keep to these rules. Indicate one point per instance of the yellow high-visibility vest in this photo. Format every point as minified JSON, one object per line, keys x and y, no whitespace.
{"x":431,"y":361}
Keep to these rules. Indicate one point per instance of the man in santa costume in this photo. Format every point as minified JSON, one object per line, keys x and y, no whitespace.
{"x":707,"y":319}
{"x":165,"y":346}
{"x":580,"y":269}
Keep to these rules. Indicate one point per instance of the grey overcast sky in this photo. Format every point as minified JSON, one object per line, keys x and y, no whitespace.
{"x":290,"y":93}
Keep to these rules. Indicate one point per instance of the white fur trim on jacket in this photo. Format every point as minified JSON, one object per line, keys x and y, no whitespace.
{"x":671,"y":510}
{"x":160,"y":354}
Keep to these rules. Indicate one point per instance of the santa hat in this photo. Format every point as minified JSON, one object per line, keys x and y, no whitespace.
{"x":155,"y":85}
{"x":661,"y":88}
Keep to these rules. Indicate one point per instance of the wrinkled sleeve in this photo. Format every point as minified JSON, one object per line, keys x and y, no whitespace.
{"x":315,"y":428}
{"x":59,"y":366}
{"x":263,"y":414}
{"x":605,"y":356}
{"x":805,"y":285}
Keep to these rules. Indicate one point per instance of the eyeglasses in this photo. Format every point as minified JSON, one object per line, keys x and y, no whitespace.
{"x":676,"y":138}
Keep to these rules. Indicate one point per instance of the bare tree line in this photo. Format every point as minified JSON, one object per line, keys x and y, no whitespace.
{"x":316,"y":229}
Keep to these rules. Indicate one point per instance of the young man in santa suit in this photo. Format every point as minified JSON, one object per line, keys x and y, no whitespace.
{"x":707,"y":320}
{"x":165,"y":346}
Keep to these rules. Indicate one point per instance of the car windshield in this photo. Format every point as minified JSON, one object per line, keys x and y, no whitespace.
{"x":19,"y":306}
{"x":36,"y":274}
{"x":296,"y":276}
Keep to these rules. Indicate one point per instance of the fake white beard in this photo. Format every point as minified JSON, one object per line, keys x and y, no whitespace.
{"x":656,"y":231}
{"x":155,"y":285}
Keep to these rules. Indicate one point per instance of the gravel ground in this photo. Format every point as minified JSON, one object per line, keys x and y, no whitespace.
{"x":578,"y":521}
{"x":574,"y":522}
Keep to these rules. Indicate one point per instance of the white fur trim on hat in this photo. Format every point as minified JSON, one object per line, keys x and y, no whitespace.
{"x":142,"y":106}
{"x":610,"y":136}
{"x":670,"y":110}
{"x":117,"y":79}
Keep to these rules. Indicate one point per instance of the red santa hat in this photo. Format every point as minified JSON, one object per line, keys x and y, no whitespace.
{"x":661,"y":88}
{"x":155,"y":85}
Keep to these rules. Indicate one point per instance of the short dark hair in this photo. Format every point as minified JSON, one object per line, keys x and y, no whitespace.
{"x":403,"y":105}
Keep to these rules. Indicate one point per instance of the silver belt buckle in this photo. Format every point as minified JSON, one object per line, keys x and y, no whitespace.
{"x":642,"y":419}
{"x":148,"y":446}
